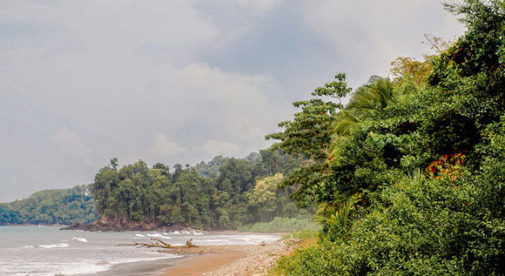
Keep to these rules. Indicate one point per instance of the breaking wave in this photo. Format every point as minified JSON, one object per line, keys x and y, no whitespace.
{"x":54,"y":245}
{"x":79,"y":239}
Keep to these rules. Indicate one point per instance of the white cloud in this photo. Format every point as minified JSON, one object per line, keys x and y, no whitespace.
{"x":235,"y":102}
{"x":216,"y":147}
{"x":175,"y":28}
{"x":70,"y":142}
{"x":260,"y":6}
{"x":370,"y":34}
{"x":163,"y":146}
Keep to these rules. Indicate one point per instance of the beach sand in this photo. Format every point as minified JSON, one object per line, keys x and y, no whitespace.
{"x":197,"y":265}
{"x":229,"y":259}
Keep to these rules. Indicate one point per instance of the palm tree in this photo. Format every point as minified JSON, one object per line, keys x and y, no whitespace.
{"x":339,"y":219}
{"x":345,"y":122}
{"x":375,"y":95}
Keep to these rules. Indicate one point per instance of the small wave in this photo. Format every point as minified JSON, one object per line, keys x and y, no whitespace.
{"x":158,"y":235}
{"x":140,"y":235}
{"x":175,"y":233}
{"x":216,"y":240}
{"x":186,"y":232}
{"x":79,"y":239}
{"x":54,"y":245}
{"x":197,"y":233}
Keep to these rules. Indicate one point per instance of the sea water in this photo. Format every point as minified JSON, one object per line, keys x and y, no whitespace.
{"x":43,"y":250}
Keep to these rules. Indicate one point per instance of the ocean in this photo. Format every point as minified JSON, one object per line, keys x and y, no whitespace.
{"x":45,"y":250}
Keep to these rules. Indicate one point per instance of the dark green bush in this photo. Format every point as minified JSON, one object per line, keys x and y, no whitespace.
{"x":418,"y":226}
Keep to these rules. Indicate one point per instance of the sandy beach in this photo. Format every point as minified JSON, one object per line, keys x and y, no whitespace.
{"x":229,"y":259}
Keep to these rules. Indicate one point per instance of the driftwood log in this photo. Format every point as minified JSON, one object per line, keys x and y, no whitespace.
{"x":160,"y":244}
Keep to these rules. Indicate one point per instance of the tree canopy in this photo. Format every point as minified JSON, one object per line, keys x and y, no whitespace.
{"x":220,"y":194}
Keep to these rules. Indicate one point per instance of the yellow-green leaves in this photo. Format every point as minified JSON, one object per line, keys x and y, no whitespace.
{"x":264,"y":191}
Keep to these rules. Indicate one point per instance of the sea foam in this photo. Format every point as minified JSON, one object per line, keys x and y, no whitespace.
{"x":79,"y":239}
{"x":54,"y":245}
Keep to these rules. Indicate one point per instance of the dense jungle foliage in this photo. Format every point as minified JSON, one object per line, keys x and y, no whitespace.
{"x":64,"y":206}
{"x":409,"y":176}
{"x":222,"y":194}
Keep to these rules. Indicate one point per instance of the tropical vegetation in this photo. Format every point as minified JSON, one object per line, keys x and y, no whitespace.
{"x":413,"y":176}
{"x":223,"y":194}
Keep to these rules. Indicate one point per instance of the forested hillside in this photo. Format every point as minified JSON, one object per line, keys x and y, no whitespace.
{"x":222,"y":194}
{"x":64,"y":206}
{"x":409,"y":176}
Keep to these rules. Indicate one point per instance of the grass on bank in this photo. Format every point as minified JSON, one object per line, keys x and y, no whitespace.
{"x":282,"y":224}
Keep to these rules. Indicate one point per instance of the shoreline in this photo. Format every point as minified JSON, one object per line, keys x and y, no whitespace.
{"x":29,"y":224}
{"x":202,"y":231}
{"x":214,"y":260}
{"x":210,"y":260}
{"x":235,"y":258}
{"x":151,"y":267}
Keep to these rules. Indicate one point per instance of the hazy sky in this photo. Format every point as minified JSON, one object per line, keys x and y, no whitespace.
{"x":177,"y":81}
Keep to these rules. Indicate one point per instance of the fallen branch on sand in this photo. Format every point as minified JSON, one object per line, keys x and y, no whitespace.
{"x":160,"y":244}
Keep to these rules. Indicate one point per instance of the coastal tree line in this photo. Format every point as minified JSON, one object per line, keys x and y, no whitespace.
{"x":222,"y":194}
